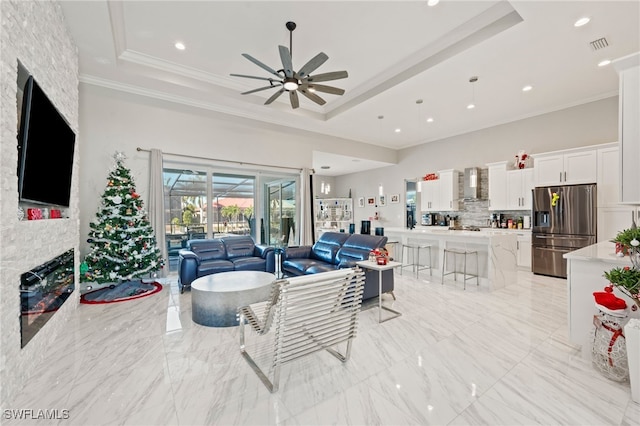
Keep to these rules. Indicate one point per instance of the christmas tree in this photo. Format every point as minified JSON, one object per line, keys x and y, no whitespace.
{"x":123,"y":245}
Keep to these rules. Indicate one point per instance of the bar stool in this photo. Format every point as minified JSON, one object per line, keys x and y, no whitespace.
{"x":392,"y":248}
{"x":415,"y":264}
{"x":465,"y":252}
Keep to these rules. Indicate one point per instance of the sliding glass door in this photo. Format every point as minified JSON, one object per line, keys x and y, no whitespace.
{"x":209,"y":202}
{"x":281,"y":208}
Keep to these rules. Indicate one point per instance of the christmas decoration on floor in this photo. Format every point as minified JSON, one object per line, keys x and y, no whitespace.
{"x":123,"y":245}
{"x":127,"y":290}
{"x":609,"y":350}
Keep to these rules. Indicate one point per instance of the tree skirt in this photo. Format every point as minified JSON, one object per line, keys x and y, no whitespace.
{"x":127,"y":290}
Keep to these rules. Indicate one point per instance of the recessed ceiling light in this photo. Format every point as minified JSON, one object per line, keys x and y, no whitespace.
{"x":471,"y":106}
{"x":527,"y":88}
{"x":398,"y":130}
{"x":325,"y":167}
{"x":604,"y":63}
{"x":432,"y":2}
{"x":582,"y":21}
{"x":430,"y":120}
{"x":180,"y":46}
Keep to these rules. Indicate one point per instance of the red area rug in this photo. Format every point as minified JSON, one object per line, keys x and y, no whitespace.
{"x":122,"y":292}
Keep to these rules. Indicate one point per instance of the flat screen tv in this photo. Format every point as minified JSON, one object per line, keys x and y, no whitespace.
{"x":46,"y":145}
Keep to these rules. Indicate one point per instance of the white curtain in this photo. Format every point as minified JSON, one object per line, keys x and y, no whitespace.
{"x":306,"y":198}
{"x":156,"y":205}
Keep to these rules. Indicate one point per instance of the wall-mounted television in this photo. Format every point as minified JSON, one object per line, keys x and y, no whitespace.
{"x":46,"y":146}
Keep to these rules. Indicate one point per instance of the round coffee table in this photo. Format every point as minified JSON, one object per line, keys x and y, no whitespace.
{"x":215,"y":298}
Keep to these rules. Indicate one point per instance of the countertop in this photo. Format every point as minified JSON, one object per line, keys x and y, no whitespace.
{"x":604,"y":251}
{"x":443,"y":230}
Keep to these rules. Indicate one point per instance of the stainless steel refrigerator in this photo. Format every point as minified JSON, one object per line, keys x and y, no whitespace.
{"x":564,"y":219}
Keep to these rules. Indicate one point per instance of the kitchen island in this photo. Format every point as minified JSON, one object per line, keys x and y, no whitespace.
{"x":497,"y":251}
{"x":585,"y":275}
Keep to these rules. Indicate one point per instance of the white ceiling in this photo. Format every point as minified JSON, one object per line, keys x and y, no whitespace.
{"x":396,"y":52}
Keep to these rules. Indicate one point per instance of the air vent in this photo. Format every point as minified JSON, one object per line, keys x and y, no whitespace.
{"x":600,"y":43}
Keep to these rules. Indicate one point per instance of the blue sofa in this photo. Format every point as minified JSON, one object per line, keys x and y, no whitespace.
{"x":335,"y":250}
{"x":237,"y":253}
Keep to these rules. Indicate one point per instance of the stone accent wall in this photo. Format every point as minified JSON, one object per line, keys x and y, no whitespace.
{"x":34,"y":33}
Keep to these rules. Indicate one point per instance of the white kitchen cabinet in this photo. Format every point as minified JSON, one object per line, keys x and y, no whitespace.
{"x":518,"y":189}
{"x":566,"y":168}
{"x":629,"y":126}
{"x":497,"y":190}
{"x":429,"y":195}
{"x":524,"y":251}
{"x":449,"y":190}
{"x":440,"y":195}
{"x":612,"y":220}
{"x":608,"y":181}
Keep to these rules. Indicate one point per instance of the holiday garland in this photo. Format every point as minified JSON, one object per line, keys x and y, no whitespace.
{"x":121,"y":237}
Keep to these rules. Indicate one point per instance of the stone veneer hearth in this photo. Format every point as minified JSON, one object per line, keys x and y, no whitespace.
{"x":34,"y":33}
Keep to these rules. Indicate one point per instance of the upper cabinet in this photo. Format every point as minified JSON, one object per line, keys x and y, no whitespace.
{"x":609,"y":177}
{"x":629,"y":126}
{"x":519,"y":186}
{"x":566,"y":168}
{"x":440,"y":195}
{"x":509,"y":189}
{"x":497,"y":190}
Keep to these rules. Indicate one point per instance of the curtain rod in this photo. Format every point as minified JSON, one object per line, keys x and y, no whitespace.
{"x":241,"y":163}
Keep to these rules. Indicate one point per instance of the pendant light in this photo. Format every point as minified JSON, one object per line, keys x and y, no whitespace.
{"x":472,"y":104}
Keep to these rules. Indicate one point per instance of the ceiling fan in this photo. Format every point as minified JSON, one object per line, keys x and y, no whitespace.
{"x":293,"y":82}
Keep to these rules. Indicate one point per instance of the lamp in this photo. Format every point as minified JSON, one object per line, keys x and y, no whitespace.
{"x":472,"y":105}
{"x":325,"y":188}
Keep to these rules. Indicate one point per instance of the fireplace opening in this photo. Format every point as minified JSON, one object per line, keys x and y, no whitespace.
{"x":43,"y":290}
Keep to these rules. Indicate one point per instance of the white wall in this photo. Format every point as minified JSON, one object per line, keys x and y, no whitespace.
{"x":587,"y":124}
{"x":112,"y":120}
{"x":35,"y":34}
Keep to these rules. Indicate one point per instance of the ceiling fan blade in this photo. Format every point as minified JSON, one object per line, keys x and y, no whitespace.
{"x":285,"y":56}
{"x":313,"y":64}
{"x":293,"y":97}
{"x":335,"y":75}
{"x":261,"y":65}
{"x":322,"y":88}
{"x":258,"y":90}
{"x":315,"y":98}
{"x":251,"y":76}
{"x":274,"y":96}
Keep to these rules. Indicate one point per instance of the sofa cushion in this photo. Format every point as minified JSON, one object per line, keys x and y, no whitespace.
{"x":249,"y":264}
{"x":357,"y":247}
{"x":208,"y":249}
{"x":298,"y":266}
{"x":327,"y":246}
{"x":214,"y":266}
{"x":239,"y":246}
{"x":320,"y":267}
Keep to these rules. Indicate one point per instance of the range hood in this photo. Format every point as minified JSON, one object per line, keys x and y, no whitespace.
{"x":471,"y":183}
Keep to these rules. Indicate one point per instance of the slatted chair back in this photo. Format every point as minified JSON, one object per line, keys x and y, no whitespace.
{"x":307,"y":314}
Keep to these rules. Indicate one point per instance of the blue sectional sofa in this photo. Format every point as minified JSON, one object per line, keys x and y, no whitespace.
{"x":335,"y":250}
{"x":237,"y":253}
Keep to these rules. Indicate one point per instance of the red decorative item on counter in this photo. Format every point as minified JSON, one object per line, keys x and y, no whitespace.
{"x":55,"y":214}
{"x":34,"y":214}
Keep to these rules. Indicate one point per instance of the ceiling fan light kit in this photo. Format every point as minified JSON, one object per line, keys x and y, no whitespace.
{"x":288,"y":80}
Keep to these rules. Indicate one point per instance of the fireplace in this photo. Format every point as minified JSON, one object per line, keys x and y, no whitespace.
{"x":43,"y":290}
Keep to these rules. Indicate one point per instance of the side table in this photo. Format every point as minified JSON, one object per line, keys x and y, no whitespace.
{"x":380,"y":268}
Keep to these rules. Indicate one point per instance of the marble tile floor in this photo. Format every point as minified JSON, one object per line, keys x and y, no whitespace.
{"x":454,"y":357}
